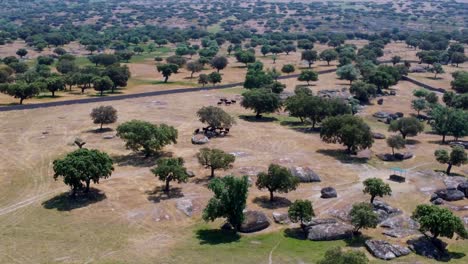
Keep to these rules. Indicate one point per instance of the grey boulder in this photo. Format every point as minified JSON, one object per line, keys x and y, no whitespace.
{"x":383,"y":250}
{"x":463,"y":187}
{"x":328,"y":192}
{"x":254,"y":221}
{"x":186,"y":206}
{"x":327,"y":232}
{"x":305,"y":174}
{"x":281,"y":218}
{"x":200,"y":139}
{"x":450,"y":194}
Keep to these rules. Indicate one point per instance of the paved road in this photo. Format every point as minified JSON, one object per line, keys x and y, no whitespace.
{"x":131,"y":96}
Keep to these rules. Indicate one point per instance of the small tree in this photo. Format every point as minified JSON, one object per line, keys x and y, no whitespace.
{"x":438,"y":221}
{"x":348,"y":130}
{"x":348,"y":72}
{"x":376,"y":187}
{"x":363,"y":91}
{"x":147,"y":137}
{"x":229,"y":200}
{"x":194,"y":67}
{"x":104,"y":115}
{"x":288,"y":68}
{"x":83,"y":166}
{"x":328,"y":55}
{"x":215,"y":117}
{"x":363,"y":216}
{"x":277,"y":179}
{"x":457,"y":157}
{"x":407,"y":126}
{"x":215,"y":78}
{"x":261,"y":101}
{"x":167,"y":70}
{"x":21,"y":52}
{"x":310,"y":56}
{"x":21,"y":90}
{"x":203,"y":79}
{"x":301,"y":211}
{"x":396,"y":60}
{"x":102,"y":84}
{"x":419,"y":104}
{"x":396,"y":142}
{"x":437,"y":69}
{"x":215,"y":159}
{"x":170,"y":169}
{"x":337,"y":256}
{"x":219,"y":62}
{"x":457,"y":58}
{"x":308,"y":76}
{"x":245,"y":57}
{"x":55,"y":84}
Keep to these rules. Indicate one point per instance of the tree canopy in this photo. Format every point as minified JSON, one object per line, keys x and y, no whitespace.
{"x":277,"y":179}
{"x":348,"y":130}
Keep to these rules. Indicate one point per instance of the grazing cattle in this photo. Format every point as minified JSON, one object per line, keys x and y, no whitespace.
{"x":220,"y":103}
{"x":197,"y":131}
{"x":233,"y":101}
{"x":228,"y":103}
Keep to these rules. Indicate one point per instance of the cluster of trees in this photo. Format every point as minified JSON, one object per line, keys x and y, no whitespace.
{"x":19,"y":80}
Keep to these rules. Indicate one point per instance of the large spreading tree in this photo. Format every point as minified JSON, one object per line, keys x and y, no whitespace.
{"x":348,"y":130}
{"x":457,"y":157}
{"x":261,"y":101}
{"x":439,"y":221}
{"x":407,"y":126}
{"x":81,"y":167}
{"x":229,"y":200}
{"x":146,"y":137}
{"x":376,"y":187}
{"x":215,"y":159}
{"x":277,"y":179}
{"x":215,"y":117}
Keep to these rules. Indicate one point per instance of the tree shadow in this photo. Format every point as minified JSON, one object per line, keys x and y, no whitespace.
{"x":412,"y":142}
{"x":263,"y":119}
{"x":137,"y":159}
{"x":157,"y":195}
{"x":341,"y":156}
{"x":204,"y":180}
{"x":357,"y":241}
{"x":278,"y":202}
{"x":65,"y":202}
{"x":296,"y":233}
{"x":217,"y":236}
{"x":100,"y":131}
{"x":452,"y":174}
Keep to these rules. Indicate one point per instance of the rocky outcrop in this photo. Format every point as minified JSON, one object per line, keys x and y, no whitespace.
{"x":254,"y":221}
{"x":384,"y":250}
{"x":396,"y":157}
{"x":385,"y":211}
{"x":425,"y":247}
{"x":305,"y":174}
{"x":463,"y":187}
{"x":328,"y":192}
{"x":449,"y":194}
{"x":186,"y":206}
{"x":281,"y":218}
{"x":200,"y":139}
{"x":400,"y":226}
{"x":327,"y":232}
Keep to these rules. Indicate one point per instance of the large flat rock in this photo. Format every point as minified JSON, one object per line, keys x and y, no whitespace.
{"x":384,"y":250}
{"x":305,"y":174}
{"x":254,"y":221}
{"x":332,"y":231}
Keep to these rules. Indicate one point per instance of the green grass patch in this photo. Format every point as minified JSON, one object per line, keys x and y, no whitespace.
{"x":209,"y":244}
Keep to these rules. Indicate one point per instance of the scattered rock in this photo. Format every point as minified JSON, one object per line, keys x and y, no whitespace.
{"x":450,"y":194}
{"x":254,"y":221}
{"x":327,"y":232}
{"x":328,"y":192}
{"x":200,"y":139}
{"x":396,"y":157}
{"x":417,"y":69}
{"x":305,"y":174}
{"x":335,"y":93}
{"x":281,"y":218}
{"x":381,"y":114}
{"x":380,"y":101}
{"x":45,"y":132}
{"x":185,"y":205}
{"x":425,"y":247}
{"x":191,"y":174}
{"x":404,"y":156}
{"x":463,"y":187}
{"x":239,"y":154}
{"x":378,"y":135}
{"x":383,"y":250}
{"x":108,"y":136}
{"x":452,"y":182}
{"x":463,"y":144}
{"x":438,"y":201}
{"x":385,"y":211}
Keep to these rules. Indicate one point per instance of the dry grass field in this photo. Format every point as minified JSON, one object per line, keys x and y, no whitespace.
{"x":130,"y":221}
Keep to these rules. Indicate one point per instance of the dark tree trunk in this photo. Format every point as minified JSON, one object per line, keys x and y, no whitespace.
{"x":328,"y":63}
{"x":53,"y":93}
{"x":443,"y":139}
{"x":102,"y":92}
{"x":165,"y":79}
{"x":449,"y":168}
{"x":371,"y":201}
{"x":166,"y":189}
{"x":258,"y":115}
{"x":87,"y":185}
{"x":101,"y":126}
{"x":212,"y":172}
{"x":191,"y":75}
{"x":271,"y":196}
{"x":21,"y":101}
